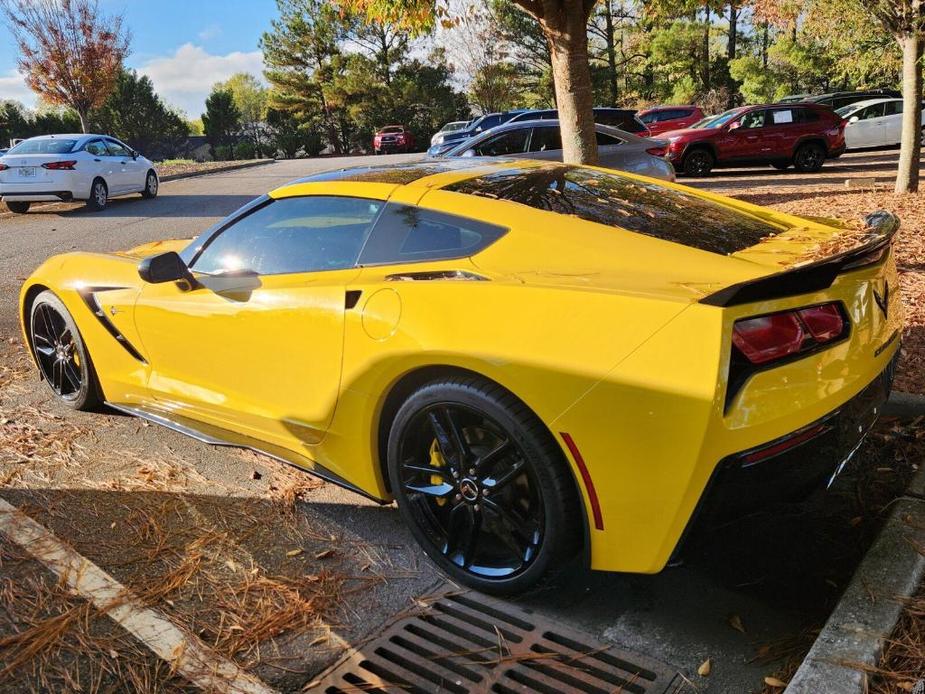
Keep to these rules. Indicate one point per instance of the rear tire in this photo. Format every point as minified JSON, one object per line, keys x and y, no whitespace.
{"x":151,"y":186}
{"x":698,"y":162}
{"x":99,"y":196}
{"x":500,"y":509}
{"x":809,"y":158}
{"x":18,"y":207}
{"x":61,"y":354}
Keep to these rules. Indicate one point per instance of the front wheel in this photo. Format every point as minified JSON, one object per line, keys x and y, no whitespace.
{"x":99,"y":196}
{"x":698,"y":162}
{"x":17,"y":206}
{"x":61,"y":354}
{"x":482,"y":485}
{"x":151,"y":186}
{"x":809,"y":158}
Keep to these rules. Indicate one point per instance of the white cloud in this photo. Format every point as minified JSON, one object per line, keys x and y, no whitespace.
{"x":13,"y":86}
{"x":210,"y":32}
{"x":185,"y":78}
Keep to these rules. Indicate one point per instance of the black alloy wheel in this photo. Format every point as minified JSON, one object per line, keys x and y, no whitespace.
{"x":481,"y":485}
{"x":61,"y":355}
{"x":809,"y":158}
{"x":698,"y":162}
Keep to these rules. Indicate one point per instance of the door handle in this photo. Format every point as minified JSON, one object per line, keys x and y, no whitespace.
{"x":97,"y":160}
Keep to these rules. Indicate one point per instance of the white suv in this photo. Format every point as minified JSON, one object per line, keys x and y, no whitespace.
{"x":73,"y":167}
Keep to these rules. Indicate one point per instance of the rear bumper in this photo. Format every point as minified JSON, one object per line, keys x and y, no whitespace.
{"x":793,"y":466}
{"x":38,"y":196}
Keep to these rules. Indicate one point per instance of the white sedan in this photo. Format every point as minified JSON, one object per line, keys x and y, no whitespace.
{"x":873,"y":123}
{"x":73,"y":167}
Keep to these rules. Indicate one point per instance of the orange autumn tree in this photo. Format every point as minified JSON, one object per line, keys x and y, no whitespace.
{"x":565,"y":26}
{"x":70,"y":53}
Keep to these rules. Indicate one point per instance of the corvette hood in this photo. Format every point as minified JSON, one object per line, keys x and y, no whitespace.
{"x":155,"y":247}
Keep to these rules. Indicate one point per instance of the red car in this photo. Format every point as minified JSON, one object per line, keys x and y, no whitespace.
{"x":804,"y":135}
{"x":660,"y":119}
{"x":393,"y":138}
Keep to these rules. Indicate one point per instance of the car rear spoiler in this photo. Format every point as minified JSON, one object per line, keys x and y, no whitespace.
{"x":879,"y":228}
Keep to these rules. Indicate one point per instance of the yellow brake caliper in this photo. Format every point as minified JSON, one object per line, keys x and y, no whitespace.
{"x":436,"y":460}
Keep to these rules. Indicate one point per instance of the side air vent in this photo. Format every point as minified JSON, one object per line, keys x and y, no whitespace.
{"x":427,"y":276}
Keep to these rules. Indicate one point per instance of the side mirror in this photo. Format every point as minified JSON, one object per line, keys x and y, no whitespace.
{"x":468,"y":153}
{"x":165,"y":267}
{"x":853,"y":119}
{"x":134,"y":154}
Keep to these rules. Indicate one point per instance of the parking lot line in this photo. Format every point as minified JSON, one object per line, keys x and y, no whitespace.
{"x":187,"y":655}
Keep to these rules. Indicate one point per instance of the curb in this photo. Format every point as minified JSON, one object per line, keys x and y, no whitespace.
{"x":904,"y":405}
{"x":852,"y":638}
{"x":223,"y":169}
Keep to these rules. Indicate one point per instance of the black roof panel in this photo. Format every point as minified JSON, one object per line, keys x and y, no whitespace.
{"x":624,"y":202}
{"x":402,"y":174}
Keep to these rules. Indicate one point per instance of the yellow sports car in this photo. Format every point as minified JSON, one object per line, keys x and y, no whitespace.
{"x":537,"y":361}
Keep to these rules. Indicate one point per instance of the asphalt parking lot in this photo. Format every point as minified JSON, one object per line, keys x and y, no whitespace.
{"x":120,"y":492}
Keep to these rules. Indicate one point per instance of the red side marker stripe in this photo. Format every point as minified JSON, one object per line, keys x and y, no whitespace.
{"x":586,"y":478}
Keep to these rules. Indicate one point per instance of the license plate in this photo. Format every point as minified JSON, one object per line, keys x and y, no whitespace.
{"x":27,"y":172}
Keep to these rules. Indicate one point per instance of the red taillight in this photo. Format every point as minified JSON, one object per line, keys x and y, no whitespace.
{"x":3,"y":167}
{"x":657,"y":151}
{"x":775,"y":336}
{"x":824,"y":323}
{"x":60,"y":165}
{"x":768,"y":338}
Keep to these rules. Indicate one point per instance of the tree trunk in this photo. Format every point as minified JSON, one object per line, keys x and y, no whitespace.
{"x":907,"y":176}
{"x":84,"y":120}
{"x":706,"y":48}
{"x":611,"y":52}
{"x":565,"y":24}
{"x":732,"y":50}
{"x":764,"y":45}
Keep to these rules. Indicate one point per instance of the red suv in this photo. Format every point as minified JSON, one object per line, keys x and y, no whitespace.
{"x":804,"y":135}
{"x":393,"y":138}
{"x":660,"y":119}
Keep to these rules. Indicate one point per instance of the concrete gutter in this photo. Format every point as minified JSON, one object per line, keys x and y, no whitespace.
{"x":904,"y":405}
{"x":220,"y":169}
{"x":852,"y":639}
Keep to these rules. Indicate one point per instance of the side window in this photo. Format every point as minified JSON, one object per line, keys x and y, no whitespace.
{"x":604,"y":140}
{"x":117,"y":150}
{"x":96,"y":148}
{"x":545,"y":140}
{"x":289,"y":235}
{"x":893,"y":108}
{"x":511,"y":142}
{"x":806,"y":115}
{"x":874,"y":111}
{"x":781,"y":116}
{"x":407,"y":234}
{"x":753,"y":119}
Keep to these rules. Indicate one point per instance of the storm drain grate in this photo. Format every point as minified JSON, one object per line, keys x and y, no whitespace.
{"x":473,"y":643}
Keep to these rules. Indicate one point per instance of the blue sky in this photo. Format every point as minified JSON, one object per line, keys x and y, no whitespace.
{"x":183,"y":45}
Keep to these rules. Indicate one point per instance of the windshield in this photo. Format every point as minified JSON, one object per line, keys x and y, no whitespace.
{"x":845,"y":110}
{"x":648,"y":117}
{"x":392,"y":129}
{"x":44,"y":146}
{"x":453,"y":127}
{"x":719,"y":120}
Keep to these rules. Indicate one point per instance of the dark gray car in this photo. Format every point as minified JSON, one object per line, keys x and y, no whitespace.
{"x":539,"y":139}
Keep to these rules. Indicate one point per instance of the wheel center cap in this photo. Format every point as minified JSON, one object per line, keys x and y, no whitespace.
{"x":469,"y":489}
